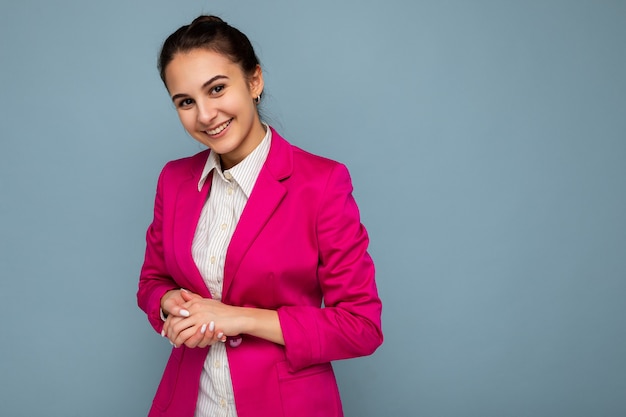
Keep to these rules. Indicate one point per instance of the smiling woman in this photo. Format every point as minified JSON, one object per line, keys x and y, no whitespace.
{"x":215,"y":101}
{"x":248,"y":238}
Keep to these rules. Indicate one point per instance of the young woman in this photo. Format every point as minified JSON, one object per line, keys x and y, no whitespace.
{"x":256,"y":265}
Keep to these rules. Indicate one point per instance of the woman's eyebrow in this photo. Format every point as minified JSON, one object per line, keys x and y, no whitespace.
{"x":206,"y":84}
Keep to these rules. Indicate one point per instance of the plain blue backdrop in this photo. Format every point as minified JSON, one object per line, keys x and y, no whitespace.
{"x":487,"y":144}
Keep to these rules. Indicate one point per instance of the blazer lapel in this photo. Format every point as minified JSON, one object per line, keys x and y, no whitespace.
{"x":189,"y":203}
{"x":266,"y":196}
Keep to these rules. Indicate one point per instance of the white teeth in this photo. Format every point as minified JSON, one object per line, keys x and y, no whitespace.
{"x":219,"y":128}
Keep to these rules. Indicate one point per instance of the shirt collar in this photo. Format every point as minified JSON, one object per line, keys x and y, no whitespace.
{"x":244,"y":173}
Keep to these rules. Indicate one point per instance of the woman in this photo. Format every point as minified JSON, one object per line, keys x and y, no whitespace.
{"x":256,"y":265}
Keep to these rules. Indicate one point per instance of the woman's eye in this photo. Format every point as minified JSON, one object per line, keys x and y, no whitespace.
{"x":185,"y":102}
{"x":217,"y":89}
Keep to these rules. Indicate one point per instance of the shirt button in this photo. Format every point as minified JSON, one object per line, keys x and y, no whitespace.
{"x":212,"y":259}
{"x":224,"y":226}
{"x":217,"y":364}
{"x":222,"y":403}
{"x":228,"y":175}
{"x":230,"y":191}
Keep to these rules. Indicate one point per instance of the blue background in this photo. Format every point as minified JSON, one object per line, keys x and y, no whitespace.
{"x":487,"y":144}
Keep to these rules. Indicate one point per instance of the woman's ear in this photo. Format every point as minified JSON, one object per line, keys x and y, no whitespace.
{"x":256,"y":82}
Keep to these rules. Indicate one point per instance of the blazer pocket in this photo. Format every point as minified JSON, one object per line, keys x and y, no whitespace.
{"x":310,"y":392}
{"x":165,"y":391}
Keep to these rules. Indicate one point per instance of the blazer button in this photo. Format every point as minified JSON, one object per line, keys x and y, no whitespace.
{"x":235,"y":341}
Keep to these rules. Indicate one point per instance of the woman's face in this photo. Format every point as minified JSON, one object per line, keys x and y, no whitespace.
{"x":215,"y":102}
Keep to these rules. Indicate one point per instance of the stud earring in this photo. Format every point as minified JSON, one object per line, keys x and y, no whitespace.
{"x":257,"y":100}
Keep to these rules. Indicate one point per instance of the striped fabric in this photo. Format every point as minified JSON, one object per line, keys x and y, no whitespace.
{"x":230,"y":191}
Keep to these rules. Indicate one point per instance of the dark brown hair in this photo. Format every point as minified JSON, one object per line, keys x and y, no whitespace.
{"x":211,"y":33}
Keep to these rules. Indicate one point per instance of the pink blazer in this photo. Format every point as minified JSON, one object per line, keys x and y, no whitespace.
{"x":299,"y":243}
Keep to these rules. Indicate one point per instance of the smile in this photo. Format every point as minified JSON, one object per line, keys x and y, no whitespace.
{"x":219,"y":129}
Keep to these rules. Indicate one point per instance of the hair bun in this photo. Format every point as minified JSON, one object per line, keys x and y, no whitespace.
{"x":209,"y":33}
{"x":207,"y":19}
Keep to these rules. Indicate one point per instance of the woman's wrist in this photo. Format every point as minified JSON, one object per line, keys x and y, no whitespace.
{"x":163,"y":310}
{"x":261,"y":323}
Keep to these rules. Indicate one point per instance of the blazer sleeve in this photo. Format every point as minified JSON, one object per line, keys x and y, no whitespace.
{"x":154,"y":280}
{"x":349,"y":324}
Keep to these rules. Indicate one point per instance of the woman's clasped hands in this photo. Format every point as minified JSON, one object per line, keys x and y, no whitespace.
{"x":195,"y":321}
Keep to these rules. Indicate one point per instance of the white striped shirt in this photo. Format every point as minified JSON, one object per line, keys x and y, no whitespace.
{"x":229,"y":194}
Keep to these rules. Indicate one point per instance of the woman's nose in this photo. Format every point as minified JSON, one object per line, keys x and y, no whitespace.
{"x":206,"y":113}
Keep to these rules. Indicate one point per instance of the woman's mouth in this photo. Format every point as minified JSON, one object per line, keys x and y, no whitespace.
{"x":219,"y":129}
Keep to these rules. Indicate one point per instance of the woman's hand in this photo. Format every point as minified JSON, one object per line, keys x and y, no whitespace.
{"x":173,"y":305}
{"x":196,"y":324}
{"x":199,"y":322}
{"x":172,"y":302}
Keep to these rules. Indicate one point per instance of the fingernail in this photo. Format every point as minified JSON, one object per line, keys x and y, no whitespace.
{"x":184,"y":313}
{"x":212,"y":326}
{"x":223,"y":339}
{"x":163,"y":333}
{"x":184,"y":289}
{"x":203,"y":328}
{"x":220,"y":335}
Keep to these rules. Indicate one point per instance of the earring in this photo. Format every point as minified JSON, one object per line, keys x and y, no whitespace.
{"x":257,"y":100}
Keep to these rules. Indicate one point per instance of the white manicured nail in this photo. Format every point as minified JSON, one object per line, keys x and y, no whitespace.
{"x":163,"y":333}
{"x":203,"y":328}
{"x":212,"y":326}
{"x":220,"y":335}
{"x":184,"y":313}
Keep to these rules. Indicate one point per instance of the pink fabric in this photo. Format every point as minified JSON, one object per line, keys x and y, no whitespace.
{"x":299,"y":241}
